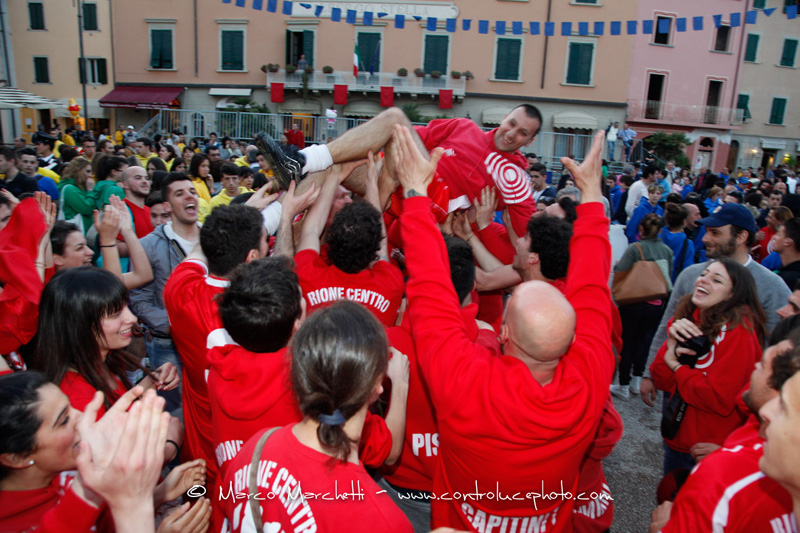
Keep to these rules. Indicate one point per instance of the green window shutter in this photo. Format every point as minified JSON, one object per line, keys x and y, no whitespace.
{"x":161,"y":49}
{"x":759,"y":4}
{"x":41,"y":70}
{"x":507,"y":60}
{"x":789,"y":52}
{"x":435,"y":53}
{"x":751,"y":52}
{"x":36,"y":14}
{"x":308,"y":46}
{"x":743,"y":102}
{"x":579,"y":69}
{"x":102,"y":72}
{"x":232,"y":50}
{"x":81,"y":70}
{"x":289,"y":48}
{"x":778,"y":109}
{"x":369,"y":52}
{"x":90,"y":17}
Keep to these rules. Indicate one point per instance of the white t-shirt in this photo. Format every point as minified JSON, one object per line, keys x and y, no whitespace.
{"x":185,"y":245}
{"x":612,"y":134}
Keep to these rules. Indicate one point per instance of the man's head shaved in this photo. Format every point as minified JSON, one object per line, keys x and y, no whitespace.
{"x":132,"y":171}
{"x":540,"y":322}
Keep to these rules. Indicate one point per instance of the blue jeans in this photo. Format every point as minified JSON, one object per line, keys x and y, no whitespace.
{"x":161,"y":351}
{"x":674,"y":459}
{"x":612,"y":146}
{"x":628,"y":146}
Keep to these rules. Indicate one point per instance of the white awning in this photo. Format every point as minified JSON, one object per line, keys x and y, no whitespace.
{"x":574,"y":119}
{"x":493,"y":116}
{"x":13,"y":98}
{"x":297,"y":105}
{"x":224,"y":91}
{"x":362,"y":108}
{"x":773,"y":144}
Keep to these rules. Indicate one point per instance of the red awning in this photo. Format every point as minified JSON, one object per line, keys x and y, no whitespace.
{"x":142,"y":97}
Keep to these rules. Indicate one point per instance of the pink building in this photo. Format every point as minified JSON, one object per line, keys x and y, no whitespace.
{"x":685,"y":80}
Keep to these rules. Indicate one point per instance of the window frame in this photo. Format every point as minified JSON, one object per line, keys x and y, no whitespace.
{"x":521,"y":63}
{"x":758,"y":47}
{"x":772,"y":105}
{"x":96,"y":18}
{"x":155,"y":26}
{"x":30,"y":20}
{"x":728,"y":41}
{"x":35,"y":70}
{"x":425,"y":34}
{"x":796,"y":47}
{"x":580,"y":40}
{"x":381,"y":44}
{"x":671,"y":35}
{"x":92,"y":71}
{"x":747,"y":115}
{"x":761,"y":7}
{"x":232,"y":25}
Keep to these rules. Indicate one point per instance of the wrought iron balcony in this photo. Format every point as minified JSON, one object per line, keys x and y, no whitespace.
{"x":366,"y":82}
{"x":658,"y":111}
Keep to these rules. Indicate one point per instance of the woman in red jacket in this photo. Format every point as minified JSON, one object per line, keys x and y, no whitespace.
{"x":724,"y":308}
{"x":309,"y":475}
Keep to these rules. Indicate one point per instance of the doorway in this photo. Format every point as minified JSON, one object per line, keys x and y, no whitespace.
{"x":655,"y":93}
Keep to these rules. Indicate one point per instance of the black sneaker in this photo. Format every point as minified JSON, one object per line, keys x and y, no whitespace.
{"x":285,"y":168}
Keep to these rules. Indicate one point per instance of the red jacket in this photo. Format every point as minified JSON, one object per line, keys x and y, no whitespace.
{"x":727,"y":491}
{"x":472,"y":161}
{"x":193,"y":314}
{"x":500,"y":430}
{"x":711,"y":388}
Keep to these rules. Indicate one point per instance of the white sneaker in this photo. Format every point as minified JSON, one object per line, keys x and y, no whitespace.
{"x":621,"y":391}
{"x":636,"y":384}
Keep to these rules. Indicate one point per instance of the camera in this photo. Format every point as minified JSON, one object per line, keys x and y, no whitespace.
{"x":700,"y":345}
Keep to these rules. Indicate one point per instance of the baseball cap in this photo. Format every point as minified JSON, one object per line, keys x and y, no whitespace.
{"x":733,"y":214}
{"x":130,"y":127}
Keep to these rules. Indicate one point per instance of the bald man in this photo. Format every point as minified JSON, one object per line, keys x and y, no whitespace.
{"x":514,"y":427}
{"x":136,"y":184}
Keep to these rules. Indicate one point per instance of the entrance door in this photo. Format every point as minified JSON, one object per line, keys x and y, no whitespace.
{"x":712,"y":101}
{"x":655,"y":92}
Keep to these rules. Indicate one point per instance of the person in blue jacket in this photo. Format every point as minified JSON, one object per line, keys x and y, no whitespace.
{"x":650,"y":206}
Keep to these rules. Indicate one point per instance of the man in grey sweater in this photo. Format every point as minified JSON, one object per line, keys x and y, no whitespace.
{"x":730,"y":232}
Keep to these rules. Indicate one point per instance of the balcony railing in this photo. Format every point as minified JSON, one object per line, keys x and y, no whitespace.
{"x":366,"y":82}
{"x":683,"y":113}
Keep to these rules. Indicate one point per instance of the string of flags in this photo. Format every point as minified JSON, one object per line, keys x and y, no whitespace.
{"x":629,"y":27}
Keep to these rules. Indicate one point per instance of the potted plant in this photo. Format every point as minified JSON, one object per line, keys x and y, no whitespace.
{"x":468,"y":75}
{"x":402,"y":72}
{"x":327,"y":69}
{"x":418,"y":72}
{"x":290,"y":69}
{"x":273,"y":67}
{"x":436,"y":74}
{"x":264,"y":68}
{"x":455,"y":74}
{"x":309,"y":69}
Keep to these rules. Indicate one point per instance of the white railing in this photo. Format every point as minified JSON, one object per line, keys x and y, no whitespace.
{"x":365,"y":81}
{"x":684,"y":113}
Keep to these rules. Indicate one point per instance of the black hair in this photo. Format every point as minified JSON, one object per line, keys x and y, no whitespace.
{"x":540,"y":168}
{"x":227,"y":236}
{"x":791,"y":229}
{"x":106,"y":163}
{"x":737,"y":195}
{"x":674,"y":198}
{"x":651,"y":224}
{"x":172,"y":152}
{"x":157,"y":163}
{"x":354,"y":237}
{"x":339,"y":355}
{"x":462,"y":266}
{"x":648,"y":170}
{"x":194,"y":164}
{"x":155,"y":197}
{"x":754,"y":198}
{"x":26,"y":151}
{"x":19,"y":417}
{"x":259,"y":180}
{"x":532,"y":112}
{"x":550,"y":238}
{"x":261,"y":305}
{"x":246,"y":172}
{"x":241,"y":199}
{"x":147,"y":141}
{"x":8,"y":152}
{"x":230,"y":169}
{"x":675,"y":215}
{"x":71,"y":312}
{"x":569,"y":207}
{"x":171,"y":178}
{"x":158,"y":179}
{"x":751,"y":236}
{"x":785,"y":364}
{"x":58,"y":235}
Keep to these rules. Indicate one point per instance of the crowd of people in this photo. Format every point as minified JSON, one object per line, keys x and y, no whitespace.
{"x":410,"y":328}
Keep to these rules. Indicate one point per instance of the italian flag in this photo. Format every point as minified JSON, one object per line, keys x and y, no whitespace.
{"x":356,"y":60}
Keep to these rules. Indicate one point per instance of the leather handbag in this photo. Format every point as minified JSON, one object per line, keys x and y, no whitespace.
{"x":642,"y":283}
{"x":252,"y":480}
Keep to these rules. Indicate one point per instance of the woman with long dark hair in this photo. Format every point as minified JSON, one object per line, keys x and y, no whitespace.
{"x":340,"y":356}
{"x":200,"y":172}
{"x":724,"y":310}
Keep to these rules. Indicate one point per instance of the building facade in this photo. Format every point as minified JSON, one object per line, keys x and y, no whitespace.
{"x":769,"y":92}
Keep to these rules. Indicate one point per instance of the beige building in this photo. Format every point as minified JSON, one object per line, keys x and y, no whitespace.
{"x":578,"y":81}
{"x":769,"y":91}
{"x":43,"y":56}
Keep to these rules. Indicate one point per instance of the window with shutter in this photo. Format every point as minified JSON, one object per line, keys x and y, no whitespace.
{"x":232,"y":50}
{"x":369,"y":52}
{"x":36,"y":15}
{"x":663,"y":30}
{"x":90,"y":17}
{"x":308,"y":46}
{"x":777,"y":111}
{"x":759,"y":4}
{"x":579,"y":67}
{"x":436,"y":47}
{"x":721,"y":41}
{"x":789,"y":52}
{"x":81,"y":70}
{"x":507,"y":59}
{"x":161,"y":49}
{"x":41,"y":70}
{"x":102,"y":72}
{"x":751,"y":50}
{"x":743,"y":103}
